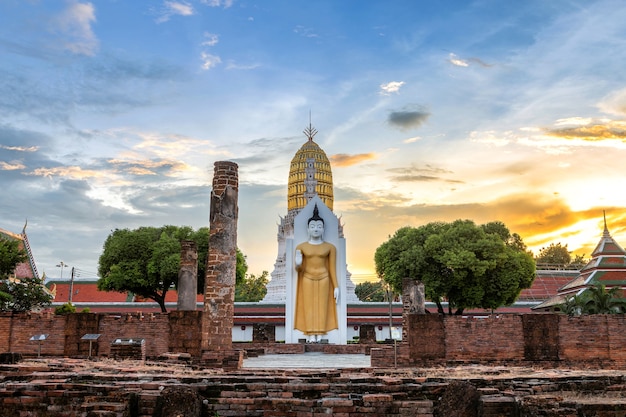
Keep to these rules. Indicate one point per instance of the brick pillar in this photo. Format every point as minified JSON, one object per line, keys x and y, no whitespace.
{"x":188,"y":276}
{"x":413,"y":302}
{"x":219,"y":289}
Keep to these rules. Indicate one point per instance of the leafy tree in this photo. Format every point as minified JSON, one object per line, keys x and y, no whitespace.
{"x":603,"y":301}
{"x":595,"y":300}
{"x":146,"y":261}
{"x":370,"y":291}
{"x":67,"y":308}
{"x":10,"y":256}
{"x":579,"y":261}
{"x":252,"y":288}
{"x":554,"y":254}
{"x":468,"y":266}
{"x":574,"y":305}
{"x":242,"y":268}
{"x":24,"y":294}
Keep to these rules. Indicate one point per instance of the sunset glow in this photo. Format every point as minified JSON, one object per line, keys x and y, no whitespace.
{"x":113,"y":113}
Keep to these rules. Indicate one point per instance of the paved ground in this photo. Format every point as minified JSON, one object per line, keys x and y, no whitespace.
{"x":308,"y":360}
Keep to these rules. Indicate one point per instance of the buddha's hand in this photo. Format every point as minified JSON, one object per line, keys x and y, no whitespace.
{"x":298,"y":258}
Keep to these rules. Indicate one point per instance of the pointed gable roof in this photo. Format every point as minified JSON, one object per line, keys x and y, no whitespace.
{"x":26,"y":269}
{"x":607,"y":267}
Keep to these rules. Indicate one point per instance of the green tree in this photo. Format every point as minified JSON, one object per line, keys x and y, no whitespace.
{"x":595,"y":300}
{"x":579,"y":261}
{"x":370,"y":291}
{"x":24,"y":294}
{"x":252,"y":288}
{"x":242,"y":268}
{"x":468,"y":266}
{"x":146,"y":261}
{"x":555,"y":254}
{"x":10,"y":256}
{"x":603,"y":301}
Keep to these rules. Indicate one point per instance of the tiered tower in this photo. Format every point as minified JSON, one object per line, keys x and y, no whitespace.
{"x":607,"y":267}
{"x":309,"y":175}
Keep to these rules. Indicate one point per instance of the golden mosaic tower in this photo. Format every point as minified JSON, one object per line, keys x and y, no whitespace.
{"x":309,"y":175}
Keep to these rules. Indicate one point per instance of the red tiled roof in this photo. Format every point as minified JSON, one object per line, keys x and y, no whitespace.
{"x":546,"y":285}
{"x":84,"y":292}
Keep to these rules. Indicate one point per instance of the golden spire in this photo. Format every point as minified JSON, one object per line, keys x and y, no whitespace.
{"x":310,"y":131}
{"x":309,"y":174}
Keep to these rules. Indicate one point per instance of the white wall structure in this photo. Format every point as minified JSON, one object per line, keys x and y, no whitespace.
{"x":331,"y":235}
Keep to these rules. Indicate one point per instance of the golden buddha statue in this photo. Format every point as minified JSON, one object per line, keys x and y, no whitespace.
{"x":317,"y":289}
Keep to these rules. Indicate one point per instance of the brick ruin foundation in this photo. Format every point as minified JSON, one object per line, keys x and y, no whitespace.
{"x":555,"y":366}
{"x":71,"y":388}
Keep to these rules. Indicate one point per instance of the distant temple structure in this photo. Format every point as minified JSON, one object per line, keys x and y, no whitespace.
{"x":607,"y":267}
{"x":310,"y":174}
{"x":26,"y":269}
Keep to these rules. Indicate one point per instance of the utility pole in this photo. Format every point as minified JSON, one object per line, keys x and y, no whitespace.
{"x":71,"y":286}
{"x":390,"y":297}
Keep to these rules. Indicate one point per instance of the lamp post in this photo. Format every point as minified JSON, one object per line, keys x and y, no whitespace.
{"x":61,"y":265}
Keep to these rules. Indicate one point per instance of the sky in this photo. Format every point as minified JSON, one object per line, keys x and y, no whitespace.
{"x":113,"y":113}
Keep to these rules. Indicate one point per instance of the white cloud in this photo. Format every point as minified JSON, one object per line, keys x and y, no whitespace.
{"x":306,"y":32}
{"x":210,"y":39}
{"x":20,"y":148}
{"x":411,"y":140}
{"x":74,"y":24}
{"x":234,"y":66}
{"x":11,"y":166}
{"x":209,"y":61}
{"x":614,"y":103}
{"x":175,"y":8}
{"x":218,"y":3}
{"x":455,"y":60}
{"x":391,"y":87}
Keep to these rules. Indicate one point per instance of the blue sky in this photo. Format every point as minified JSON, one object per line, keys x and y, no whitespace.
{"x":112,"y":113}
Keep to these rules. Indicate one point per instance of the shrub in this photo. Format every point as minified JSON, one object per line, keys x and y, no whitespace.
{"x":67,"y":308}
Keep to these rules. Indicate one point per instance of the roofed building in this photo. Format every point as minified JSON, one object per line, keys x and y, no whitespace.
{"x":607,"y":267}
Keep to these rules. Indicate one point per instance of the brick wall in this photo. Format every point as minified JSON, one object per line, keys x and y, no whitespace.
{"x":17,"y":329}
{"x":153,"y":328}
{"x":537,"y":338}
{"x":172,"y":332}
{"x":499,"y":338}
{"x":185,"y":332}
{"x":585,"y":338}
{"x":5,"y":331}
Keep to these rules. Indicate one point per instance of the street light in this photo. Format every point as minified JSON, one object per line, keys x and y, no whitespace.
{"x":61,"y":265}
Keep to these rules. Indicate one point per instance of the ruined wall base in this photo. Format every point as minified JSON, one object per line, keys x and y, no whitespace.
{"x":71,"y":388}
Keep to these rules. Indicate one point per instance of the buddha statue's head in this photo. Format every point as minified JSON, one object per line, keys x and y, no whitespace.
{"x":315,"y":225}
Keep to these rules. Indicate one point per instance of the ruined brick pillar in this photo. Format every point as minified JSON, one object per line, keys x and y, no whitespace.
{"x":188,"y":276}
{"x":219,"y":289}
{"x":413,"y":302}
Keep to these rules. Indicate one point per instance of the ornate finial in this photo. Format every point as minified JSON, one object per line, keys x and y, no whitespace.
{"x":310,"y":131}
{"x":606,"y":229}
